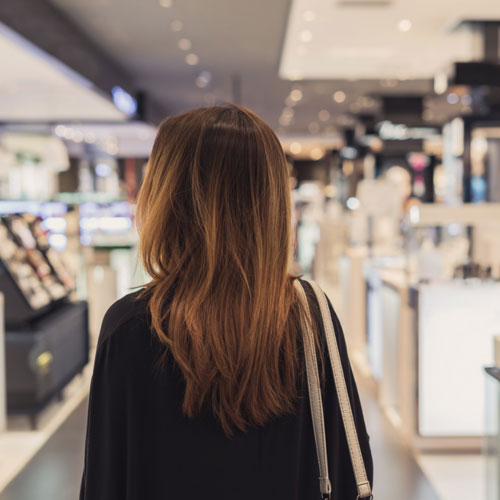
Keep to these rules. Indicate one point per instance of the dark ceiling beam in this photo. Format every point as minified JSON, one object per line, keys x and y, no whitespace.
{"x":49,"y":29}
{"x":491,"y":39}
{"x":489,"y":31}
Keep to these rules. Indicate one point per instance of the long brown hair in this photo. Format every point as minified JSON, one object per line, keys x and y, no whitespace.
{"x":214,"y":217}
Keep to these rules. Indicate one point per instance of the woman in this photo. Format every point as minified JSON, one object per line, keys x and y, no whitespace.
{"x":199,"y":386}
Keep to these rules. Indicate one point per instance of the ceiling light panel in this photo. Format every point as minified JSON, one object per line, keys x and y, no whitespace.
{"x":365,"y":39}
{"x":34,"y":86}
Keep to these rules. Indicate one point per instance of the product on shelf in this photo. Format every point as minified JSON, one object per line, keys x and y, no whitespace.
{"x":53,"y":257}
{"x":36,"y":268}
{"x":15,"y":260}
{"x":19,"y":225}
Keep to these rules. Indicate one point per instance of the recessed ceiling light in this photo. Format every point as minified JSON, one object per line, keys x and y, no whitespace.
{"x":166,"y":3}
{"x":306,"y":36}
{"x":296,"y":95}
{"x":314,"y":127}
{"x":339,"y":96}
{"x":192,"y":59}
{"x":176,"y":25}
{"x":204,"y":79}
{"x":285,"y":121}
{"x":404,"y":25}
{"x":184,"y":44}
{"x":309,"y":15}
{"x":295,"y":148}
{"x":287,"y":113}
{"x":324,"y":115}
{"x":317,"y":153}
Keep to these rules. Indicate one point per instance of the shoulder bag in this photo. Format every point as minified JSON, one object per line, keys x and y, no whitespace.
{"x":315,"y":400}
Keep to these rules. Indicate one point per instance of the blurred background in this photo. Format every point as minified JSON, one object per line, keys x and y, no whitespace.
{"x":389,"y":113}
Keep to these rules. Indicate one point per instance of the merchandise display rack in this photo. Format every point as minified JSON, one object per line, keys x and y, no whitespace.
{"x":46,"y":337}
{"x":34,"y":277}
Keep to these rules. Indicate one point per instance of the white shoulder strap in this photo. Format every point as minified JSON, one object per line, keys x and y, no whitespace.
{"x":363,"y":485}
{"x":315,"y":400}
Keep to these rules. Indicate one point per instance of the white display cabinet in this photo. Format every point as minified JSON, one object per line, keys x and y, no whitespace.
{"x":457,"y":322}
{"x":427,"y":355}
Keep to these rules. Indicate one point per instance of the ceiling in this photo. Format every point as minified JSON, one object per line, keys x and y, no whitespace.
{"x":246,"y":45}
{"x":37,"y":88}
{"x":380,"y":39}
{"x":231,"y":38}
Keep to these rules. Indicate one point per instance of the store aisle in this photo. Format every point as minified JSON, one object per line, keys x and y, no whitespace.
{"x":55,"y":471}
{"x":397,"y":474}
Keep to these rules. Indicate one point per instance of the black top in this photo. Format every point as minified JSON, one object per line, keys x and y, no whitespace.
{"x":140,"y":446}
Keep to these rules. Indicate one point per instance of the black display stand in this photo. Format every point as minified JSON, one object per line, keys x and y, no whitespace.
{"x":44,"y":356}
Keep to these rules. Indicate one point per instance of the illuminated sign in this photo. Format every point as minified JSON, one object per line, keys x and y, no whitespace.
{"x":124,"y":101}
{"x":399,"y":132}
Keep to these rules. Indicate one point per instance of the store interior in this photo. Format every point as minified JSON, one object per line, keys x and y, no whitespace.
{"x":389,"y":115}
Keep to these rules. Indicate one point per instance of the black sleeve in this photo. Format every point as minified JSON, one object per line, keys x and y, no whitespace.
{"x":339,"y":462}
{"x":104,"y":475}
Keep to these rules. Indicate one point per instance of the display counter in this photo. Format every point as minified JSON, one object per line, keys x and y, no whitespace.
{"x":42,"y":357}
{"x":457,"y":322}
{"x":353,"y":282}
{"x":390,"y":342}
{"x":353,"y":293}
{"x":427,"y":345}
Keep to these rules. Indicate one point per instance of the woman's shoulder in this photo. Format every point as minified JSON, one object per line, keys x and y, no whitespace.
{"x":127,"y":313}
{"x":312,"y":298}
